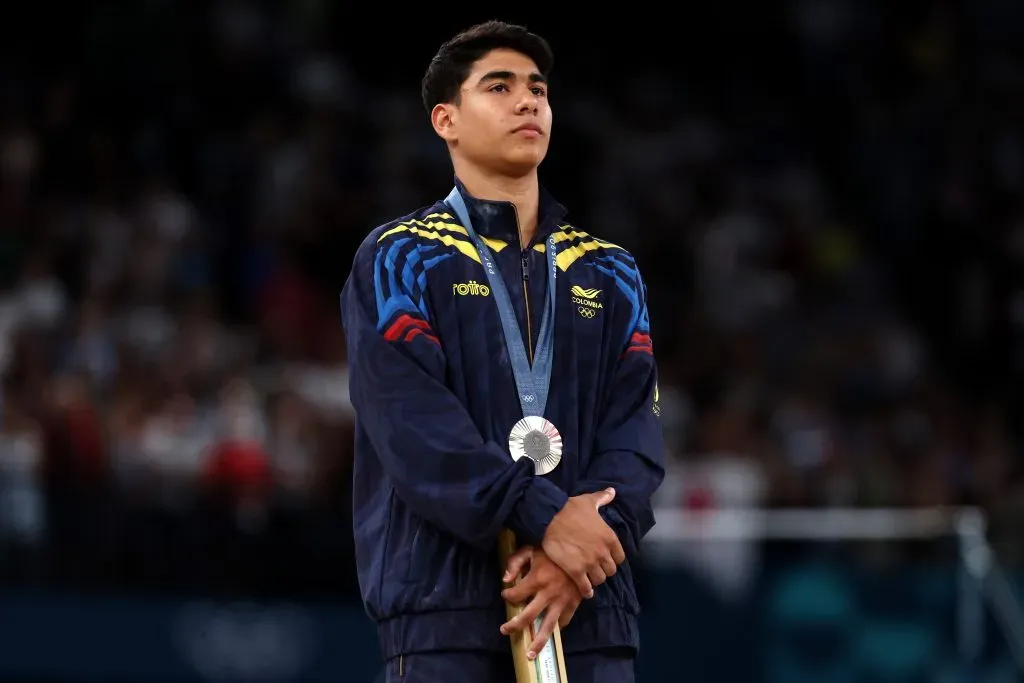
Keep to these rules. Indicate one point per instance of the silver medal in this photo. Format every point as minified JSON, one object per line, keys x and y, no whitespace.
{"x":537,"y":439}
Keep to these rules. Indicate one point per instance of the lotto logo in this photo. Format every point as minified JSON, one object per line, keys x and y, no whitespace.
{"x":471,"y":288}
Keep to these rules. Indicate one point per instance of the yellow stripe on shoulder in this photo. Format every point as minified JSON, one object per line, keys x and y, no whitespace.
{"x":443,"y":232}
{"x":495,"y":245}
{"x":498,"y":245}
{"x":429,"y":225}
{"x":586,"y":243}
{"x":566,"y":234}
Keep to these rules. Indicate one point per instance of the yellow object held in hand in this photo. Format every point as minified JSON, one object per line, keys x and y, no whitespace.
{"x":549,"y":666}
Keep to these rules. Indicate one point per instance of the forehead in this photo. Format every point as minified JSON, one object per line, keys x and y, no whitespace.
{"x":502,"y":59}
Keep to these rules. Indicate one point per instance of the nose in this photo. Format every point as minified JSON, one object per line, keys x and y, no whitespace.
{"x":527,"y":102}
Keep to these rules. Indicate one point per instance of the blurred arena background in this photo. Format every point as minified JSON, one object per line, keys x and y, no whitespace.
{"x":825,"y":197}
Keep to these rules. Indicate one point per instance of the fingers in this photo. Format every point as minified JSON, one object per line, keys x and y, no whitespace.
{"x":520,"y":592}
{"x":607,"y":563}
{"x":583,"y":583}
{"x":517,"y":563}
{"x":526,"y":617}
{"x":608,"y":566}
{"x":618,"y":554}
{"x":546,"y":629}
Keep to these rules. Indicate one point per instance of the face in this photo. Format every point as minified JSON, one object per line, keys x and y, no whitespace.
{"x":503,"y":118}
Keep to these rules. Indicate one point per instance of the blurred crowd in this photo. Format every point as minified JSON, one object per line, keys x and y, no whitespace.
{"x":828,"y":215}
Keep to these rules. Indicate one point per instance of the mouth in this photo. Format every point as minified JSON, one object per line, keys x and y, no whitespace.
{"x":529,"y":129}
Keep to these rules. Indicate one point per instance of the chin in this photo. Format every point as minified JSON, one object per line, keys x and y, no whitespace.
{"x":523,"y":161}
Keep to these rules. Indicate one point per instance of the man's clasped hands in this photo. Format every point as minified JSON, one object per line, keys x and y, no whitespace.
{"x":578,"y":553}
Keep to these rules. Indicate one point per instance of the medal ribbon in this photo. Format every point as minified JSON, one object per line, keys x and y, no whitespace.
{"x":533,"y":382}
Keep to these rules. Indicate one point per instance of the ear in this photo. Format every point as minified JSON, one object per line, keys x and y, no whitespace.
{"x":443,"y":118}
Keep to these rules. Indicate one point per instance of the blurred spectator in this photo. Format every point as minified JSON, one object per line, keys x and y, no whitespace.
{"x":23,"y":524}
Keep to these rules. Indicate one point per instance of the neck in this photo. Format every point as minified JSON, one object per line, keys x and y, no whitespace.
{"x":523,"y":192}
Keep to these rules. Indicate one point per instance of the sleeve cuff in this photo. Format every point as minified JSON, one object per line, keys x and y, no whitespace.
{"x":611,"y":516}
{"x":539,"y":504}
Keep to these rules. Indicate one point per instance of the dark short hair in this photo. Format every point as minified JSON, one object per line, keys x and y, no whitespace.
{"x":454,"y":60}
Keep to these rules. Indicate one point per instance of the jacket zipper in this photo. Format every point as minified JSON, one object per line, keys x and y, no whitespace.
{"x":525,"y":261}
{"x":526,"y":298}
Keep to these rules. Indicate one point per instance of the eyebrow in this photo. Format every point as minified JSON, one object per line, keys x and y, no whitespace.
{"x":510,"y":76}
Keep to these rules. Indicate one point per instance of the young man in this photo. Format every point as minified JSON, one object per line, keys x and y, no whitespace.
{"x":482,"y":329}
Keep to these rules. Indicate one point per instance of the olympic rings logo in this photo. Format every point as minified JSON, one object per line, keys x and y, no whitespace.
{"x":585,"y":312}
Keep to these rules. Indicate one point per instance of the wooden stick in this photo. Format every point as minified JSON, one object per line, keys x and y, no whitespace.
{"x":549,"y":666}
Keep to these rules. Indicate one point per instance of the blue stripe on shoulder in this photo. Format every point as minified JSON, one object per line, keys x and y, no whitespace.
{"x":624,"y":273}
{"x":395,"y":290}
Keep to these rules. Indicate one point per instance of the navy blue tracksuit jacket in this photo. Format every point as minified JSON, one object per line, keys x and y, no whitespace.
{"x":435,"y":399}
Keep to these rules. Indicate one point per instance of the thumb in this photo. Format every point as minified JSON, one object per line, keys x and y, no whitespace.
{"x":604,"y":497}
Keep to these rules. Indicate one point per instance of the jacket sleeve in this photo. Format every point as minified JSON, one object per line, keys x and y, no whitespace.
{"x":427,"y":443}
{"x":628,"y":454}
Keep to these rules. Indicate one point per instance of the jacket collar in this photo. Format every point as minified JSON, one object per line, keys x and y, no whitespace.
{"x":497,"y":219}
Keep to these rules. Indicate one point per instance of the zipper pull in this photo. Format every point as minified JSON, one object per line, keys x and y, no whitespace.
{"x":526,"y":267}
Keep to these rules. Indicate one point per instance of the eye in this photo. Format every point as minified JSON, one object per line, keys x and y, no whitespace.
{"x":500,"y":87}
{"x":539,"y":91}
